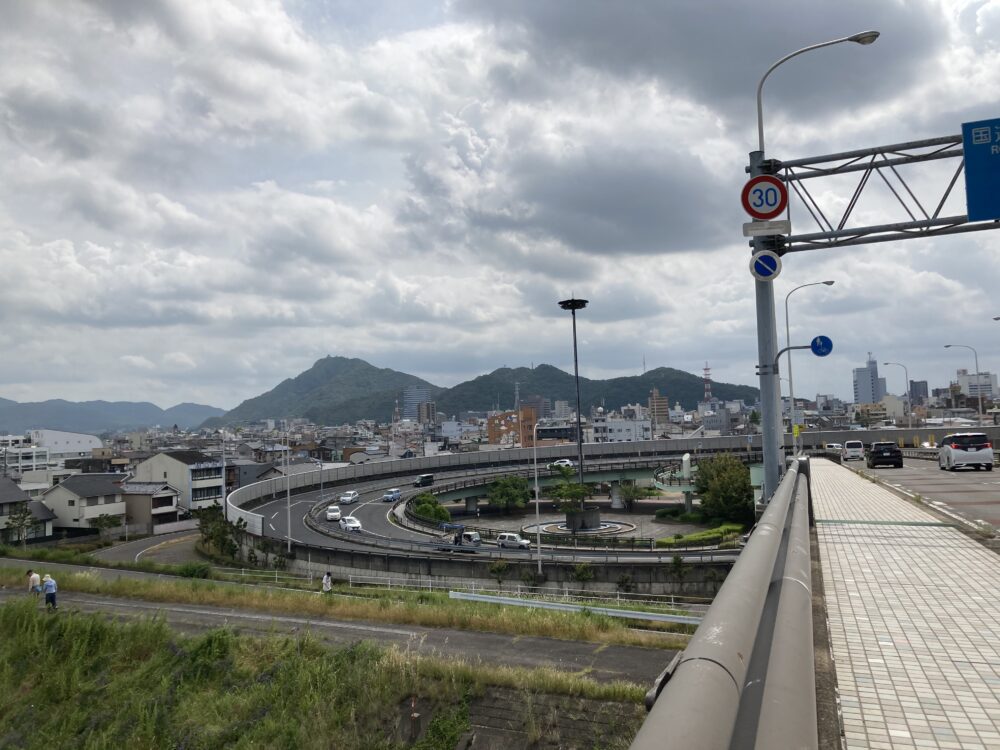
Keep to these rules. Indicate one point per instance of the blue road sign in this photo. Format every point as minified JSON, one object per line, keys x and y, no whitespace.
{"x":765,"y":265}
{"x":981,"y":147}
{"x":821,"y":346}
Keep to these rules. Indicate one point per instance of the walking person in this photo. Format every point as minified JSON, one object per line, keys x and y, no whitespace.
{"x":50,"y":589}
{"x":328,"y":583}
{"x":34,"y":583}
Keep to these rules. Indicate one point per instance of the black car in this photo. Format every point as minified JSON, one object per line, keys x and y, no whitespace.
{"x":884,"y":454}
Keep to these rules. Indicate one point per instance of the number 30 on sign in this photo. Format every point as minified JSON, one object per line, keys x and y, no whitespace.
{"x":764,"y":197}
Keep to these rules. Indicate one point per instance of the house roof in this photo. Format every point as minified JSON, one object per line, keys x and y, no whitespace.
{"x":189,"y":457}
{"x":146,"y":488}
{"x":91,"y":485}
{"x":40,"y":511}
{"x":10,"y":492}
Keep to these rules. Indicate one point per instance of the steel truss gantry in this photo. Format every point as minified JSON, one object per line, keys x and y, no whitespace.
{"x":883,"y":162}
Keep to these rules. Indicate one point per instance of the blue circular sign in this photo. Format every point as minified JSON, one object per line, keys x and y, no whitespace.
{"x":821,"y":346}
{"x":765,"y":265}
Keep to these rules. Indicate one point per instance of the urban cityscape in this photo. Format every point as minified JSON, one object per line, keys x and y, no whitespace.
{"x":387,"y":375}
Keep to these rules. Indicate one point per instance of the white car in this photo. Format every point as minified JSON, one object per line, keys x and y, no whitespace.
{"x":834,"y":447}
{"x":333,"y":513}
{"x":350,"y":523}
{"x":351,"y":496}
{"x":569,"y":463}
{"x":965,"y":449}
{"x":510,"y":539}
{"x":854,"y":450}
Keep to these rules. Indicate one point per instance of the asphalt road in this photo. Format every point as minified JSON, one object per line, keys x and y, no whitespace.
{"x":601,"y":662}
{"x":972,"y":494}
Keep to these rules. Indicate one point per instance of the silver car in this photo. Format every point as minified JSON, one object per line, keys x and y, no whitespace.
{"x":965,"y":449}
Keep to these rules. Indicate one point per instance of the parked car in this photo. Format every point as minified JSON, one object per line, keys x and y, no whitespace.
{"x":391,"y":496}
{"x":965,"y":449}
{"x":424,"y":480}
{"x":854,"y":450}
{"x":884,"y":454}
{"x":333,"y":513}
{"x":510,"y":539}
{"x":569,"y":463}
{"x":351,"y":496}
{"x":350,"y":523}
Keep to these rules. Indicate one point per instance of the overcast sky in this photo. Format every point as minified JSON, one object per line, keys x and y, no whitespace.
{"x":200,"y":199}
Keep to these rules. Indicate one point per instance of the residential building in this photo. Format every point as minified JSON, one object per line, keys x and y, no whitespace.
{"x":895,"y":408}
{"x":541,"y":405}
{"x":426,"y":412}
{"x":972,"y":386}
{"x":511,"y":428}
{"x":197,"y":476}
{"x":617,"y":429}
{"x":16,"y":461}
{"x":869,"y":388}
{"x":561,"y":410}
{"x":149,"y":504}
{"x":81,"y":498}
{"x":12,"y":496}
{"x":659,"y":410}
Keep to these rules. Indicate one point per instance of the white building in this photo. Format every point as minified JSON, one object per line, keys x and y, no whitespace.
{"x":81,"y":498}
{"x":17,"y":461}
{"x":970,"y":385}
{"x":62,"y":445}
{"x":607,"y":429}
{"x":196,"y":476}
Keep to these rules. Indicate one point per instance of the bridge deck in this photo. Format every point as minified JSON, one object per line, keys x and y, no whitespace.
{"x":914,"y":611}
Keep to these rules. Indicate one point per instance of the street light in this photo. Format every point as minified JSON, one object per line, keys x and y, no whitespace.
{"x":979,"y":382}
{"x":288,"y":490}
{"x":573,"y":305}
{"x":767,"y":335}
{"x":909,"y":404}
{"x":788,"y":344}
{"x":538,"y":502}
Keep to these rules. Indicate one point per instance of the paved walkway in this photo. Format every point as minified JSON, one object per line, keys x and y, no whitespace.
{"x":168,"y":548}
{"x":914,"y":611}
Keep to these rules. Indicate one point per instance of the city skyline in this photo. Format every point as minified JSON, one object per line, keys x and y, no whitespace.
{"x":200,"y":201}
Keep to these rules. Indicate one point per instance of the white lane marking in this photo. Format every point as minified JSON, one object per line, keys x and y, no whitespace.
{"x":275,"y":515}
{"x":272,"y":527}
{"x":246,"y":616}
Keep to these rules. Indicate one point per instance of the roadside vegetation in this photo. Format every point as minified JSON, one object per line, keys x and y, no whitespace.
{"x":423,"y":608}
{"x":425,"y":505}
{"x":79,"y":680}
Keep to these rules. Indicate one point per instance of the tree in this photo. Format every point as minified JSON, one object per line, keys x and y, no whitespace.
{"x":425,"y":505}
{"x":498,"y":570}
{"x":20,"y":520}
{"x":723,"y":483}
{"x":582,"y":573}
{"x":217,"y":532}
{"x":509,"y":493}
{"x":104,"y":522}
{"x":630,"y":493}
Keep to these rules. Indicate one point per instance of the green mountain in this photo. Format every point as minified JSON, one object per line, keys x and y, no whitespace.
{"x":97,"y":416}
{"x":550,"y":382}
{"x":335,"y":390}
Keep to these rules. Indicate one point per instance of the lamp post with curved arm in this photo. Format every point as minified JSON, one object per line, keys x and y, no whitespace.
{"x":788,"y":344}
{"x":767,"y":335}
{"x":979,"y":382}
{"x":909,"y":404}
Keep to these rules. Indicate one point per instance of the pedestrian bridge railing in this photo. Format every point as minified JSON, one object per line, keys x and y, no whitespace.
{"x":747,"y":677}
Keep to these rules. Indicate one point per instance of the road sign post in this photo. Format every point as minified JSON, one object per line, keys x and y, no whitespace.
{"x":765,"y":265}
{"x":764,"y":197}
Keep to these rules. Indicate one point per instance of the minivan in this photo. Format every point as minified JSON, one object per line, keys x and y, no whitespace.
{"x":853,"y":450}
{"x":424,"y":480}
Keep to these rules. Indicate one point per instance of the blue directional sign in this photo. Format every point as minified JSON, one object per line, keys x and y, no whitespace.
{"x":981,"y":147}
{"x":765,"y":265}
{"x":821,"y":346}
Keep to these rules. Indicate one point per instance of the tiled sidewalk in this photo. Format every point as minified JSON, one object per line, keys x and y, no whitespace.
{"x":914,"y":609}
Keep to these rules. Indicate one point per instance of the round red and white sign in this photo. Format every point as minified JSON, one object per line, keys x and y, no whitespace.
{"x":764,"y":197}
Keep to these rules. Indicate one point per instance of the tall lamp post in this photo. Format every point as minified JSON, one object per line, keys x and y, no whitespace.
{"x":288,"y":489}
{"x":767,"y":336}
{"x":538,"y":502}
{"x":788,"y":344}
{"x":979,"y":383}
{"x":573,"y":305}
{"x":909,"y":404}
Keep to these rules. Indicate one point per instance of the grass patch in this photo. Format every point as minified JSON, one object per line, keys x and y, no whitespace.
{"x":78,"y":680}
{"x":429,"y":609}
{"x":717,"y":535}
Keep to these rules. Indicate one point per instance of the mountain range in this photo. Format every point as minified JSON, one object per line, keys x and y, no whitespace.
{"x":338,"y":390}
{"x":96,"y":417}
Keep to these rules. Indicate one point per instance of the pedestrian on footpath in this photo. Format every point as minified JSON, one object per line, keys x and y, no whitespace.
{"x":50,"y":589}
{"x":328,"y":583}
{"x":34,"y":583}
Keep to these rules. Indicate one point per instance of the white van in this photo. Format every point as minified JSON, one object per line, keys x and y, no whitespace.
{"x":854,"y":450}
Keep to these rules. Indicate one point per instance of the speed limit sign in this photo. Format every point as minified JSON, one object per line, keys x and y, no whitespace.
{"x":764,"y":197}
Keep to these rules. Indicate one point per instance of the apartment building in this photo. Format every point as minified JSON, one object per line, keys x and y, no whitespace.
{"x":197,"y":476}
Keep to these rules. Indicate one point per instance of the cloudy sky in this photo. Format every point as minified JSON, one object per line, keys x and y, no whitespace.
{"x":198,"y":200}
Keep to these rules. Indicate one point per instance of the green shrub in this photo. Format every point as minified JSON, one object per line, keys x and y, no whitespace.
{"x":425,"y":505}
{"x":703,"y":538}
{"x":195,"y":570}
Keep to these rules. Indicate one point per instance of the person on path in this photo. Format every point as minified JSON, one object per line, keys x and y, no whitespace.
{"x":34,"y":583}
{"x":328,"y":583}
{"x":50,"y":589}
